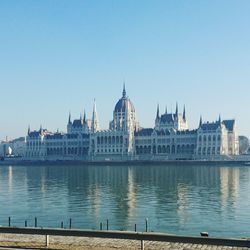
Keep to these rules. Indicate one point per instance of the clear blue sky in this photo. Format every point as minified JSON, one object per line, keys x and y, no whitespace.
{"x":57,"y":56}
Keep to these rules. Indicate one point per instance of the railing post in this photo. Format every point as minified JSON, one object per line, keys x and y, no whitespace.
{"x":35,"y":222}
{"x":9,"y":221}
{"x":107,"y":225}
{"x":101,"y":226}
{"x":25,"y":223}
{"x":135,"y":228}
{"x":142,"y":244}
{"x":62,"y":224}
{"x":70,"y":223}
{"x":47,"y":240}
{"x":146,"y":220}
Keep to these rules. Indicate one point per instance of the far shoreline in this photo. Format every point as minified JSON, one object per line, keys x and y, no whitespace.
{"x":126,"y":163}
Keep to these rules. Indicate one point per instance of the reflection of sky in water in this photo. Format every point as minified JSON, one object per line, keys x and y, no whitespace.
{"x":175,"y":199}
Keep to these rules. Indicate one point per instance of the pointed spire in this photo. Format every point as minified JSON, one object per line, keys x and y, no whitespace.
{"x":158,"y":112}
{"x":69,"y":122}
{"x":81,"y":120}
{"x":184,"y":113}
{"x":28,"y":129}
{"x":94,"y":124}
{"x":124,"y":91}
{"x":84,"y":116}
{"x":41,"y":128}
{"x":219,"y":119}
{"x":166,"y":110}
{"x":200,"y":121}
{"x":176,"y":109}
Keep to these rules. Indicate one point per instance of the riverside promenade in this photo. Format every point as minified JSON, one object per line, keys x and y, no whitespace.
{"x":77,"y":243}
{"x":60,"y":239}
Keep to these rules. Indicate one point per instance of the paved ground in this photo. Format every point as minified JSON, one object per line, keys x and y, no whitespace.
{"x":79,"y":243}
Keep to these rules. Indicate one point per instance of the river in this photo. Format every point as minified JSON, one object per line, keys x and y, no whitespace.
{"x":183,"y":199}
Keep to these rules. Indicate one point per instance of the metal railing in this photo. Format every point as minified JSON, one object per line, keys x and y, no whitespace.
{"x":140,"y":236}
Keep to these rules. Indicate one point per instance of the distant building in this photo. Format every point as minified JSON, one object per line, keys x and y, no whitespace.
{"x":15,"y":147}
{"x":243,"y":145}
{"x":170,"y":139}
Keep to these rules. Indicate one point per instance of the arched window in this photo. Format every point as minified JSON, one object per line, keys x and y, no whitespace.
{"x":141,"y":150}
{"x":192,"y":148}
{"x":168,"y":149}
{"x":208,"y":150}
{"x":218,"y":150}
{"x":178,"y":149}
{"x":213,"y":151}
{"x":204,"y":151}
{"x":199,"y":151}
{"x":173,"y":149}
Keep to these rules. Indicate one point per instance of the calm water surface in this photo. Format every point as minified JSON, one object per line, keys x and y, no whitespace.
{"x":175,"y":199}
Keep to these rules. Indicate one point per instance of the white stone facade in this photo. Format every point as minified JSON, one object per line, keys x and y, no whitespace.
{"x":170,"y":139}
{"x":217,"y":139}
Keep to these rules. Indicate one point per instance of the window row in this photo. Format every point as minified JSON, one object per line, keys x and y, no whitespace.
{"x":109,"y":139}
{"x":205,"y":138}
{"x":174,"y":149}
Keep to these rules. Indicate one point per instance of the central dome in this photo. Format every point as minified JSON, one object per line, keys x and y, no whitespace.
{"x":124,"y":103}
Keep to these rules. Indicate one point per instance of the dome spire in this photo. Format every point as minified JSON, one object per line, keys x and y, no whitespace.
{"x":124,"y":91}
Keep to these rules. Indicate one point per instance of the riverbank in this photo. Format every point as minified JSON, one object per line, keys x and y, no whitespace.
{"x":128,"y":163}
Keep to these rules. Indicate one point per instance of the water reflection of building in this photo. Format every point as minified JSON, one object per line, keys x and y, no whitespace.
{"x":131,"y":194}
{"x":182,"y":202}
{"x":10,"y":178}
{"x":168,"y":195}
{"x":94,"y":191}
{"x":229,"y":181}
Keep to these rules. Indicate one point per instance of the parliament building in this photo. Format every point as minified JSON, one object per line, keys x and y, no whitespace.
{"x":125,"y":140}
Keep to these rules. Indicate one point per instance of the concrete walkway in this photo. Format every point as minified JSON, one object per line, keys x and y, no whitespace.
{"x":79,"y":243}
